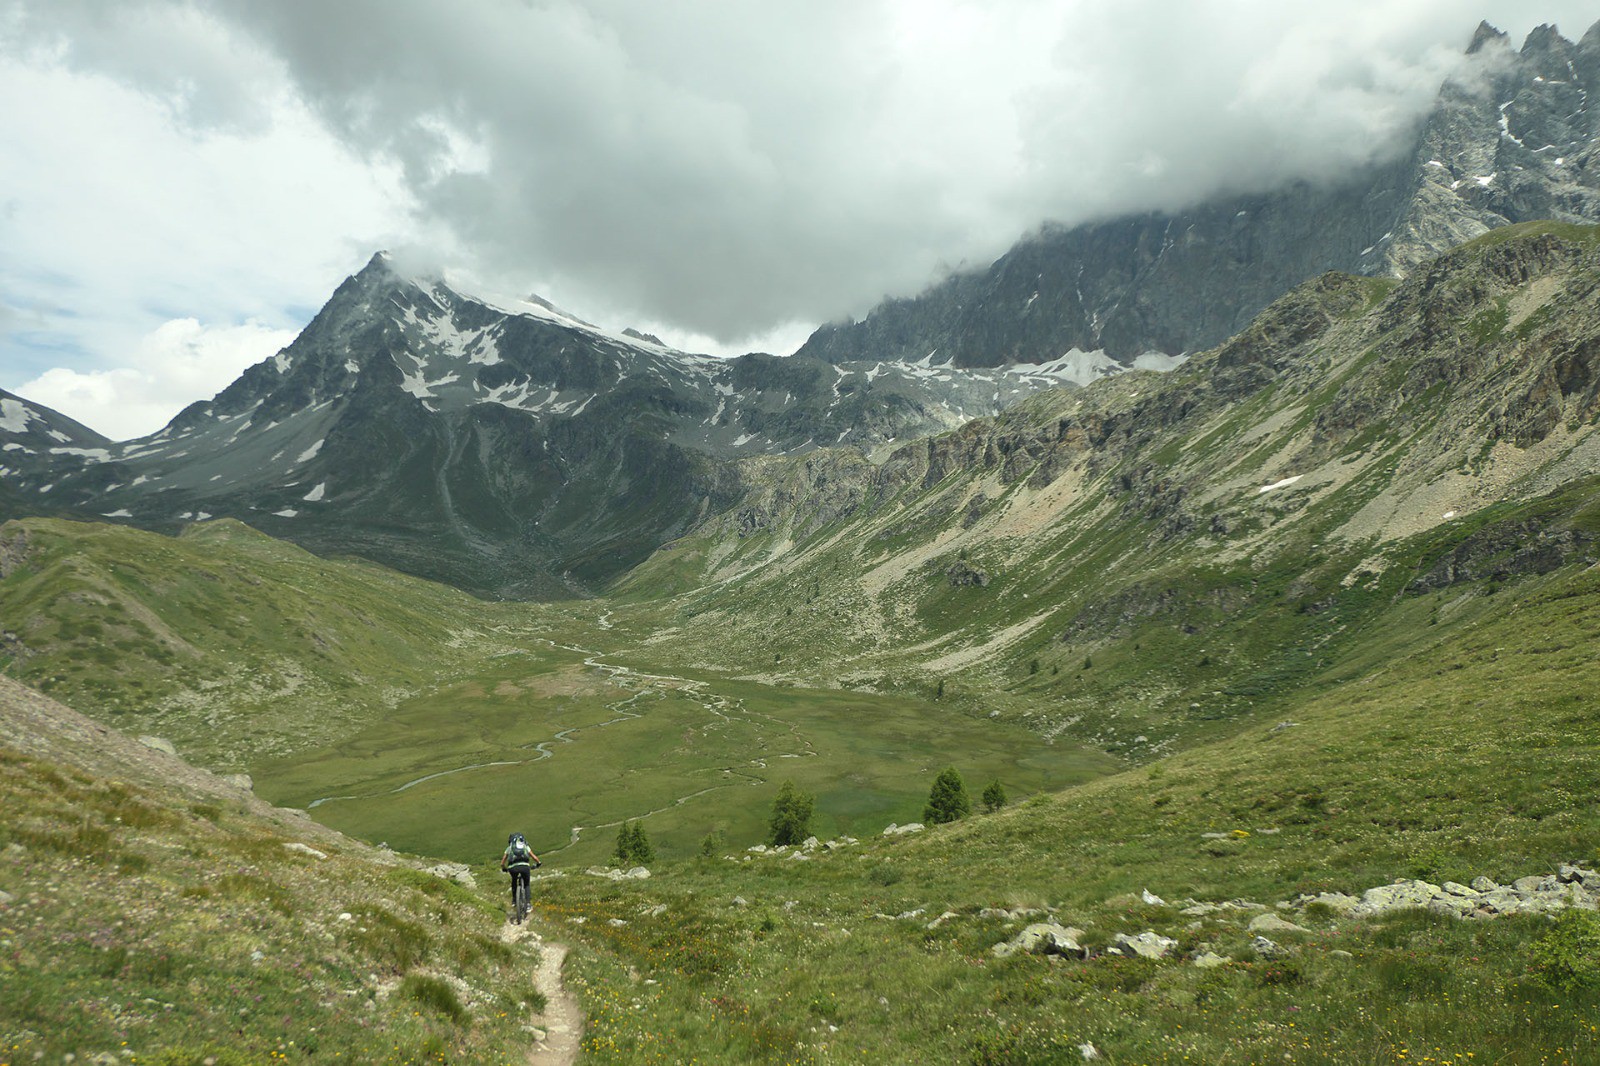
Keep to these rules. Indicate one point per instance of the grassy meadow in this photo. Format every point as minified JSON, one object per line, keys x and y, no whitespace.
{"x":543,"y":743}
{"x":1479,"y":755}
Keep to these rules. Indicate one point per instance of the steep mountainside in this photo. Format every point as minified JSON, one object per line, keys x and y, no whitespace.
{"x":1516,"y":143}
{"x":511,"y":450}
{"x":1362,"y":445}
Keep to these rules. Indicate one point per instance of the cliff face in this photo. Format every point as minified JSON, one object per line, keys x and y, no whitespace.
{"x":1516,"y":142}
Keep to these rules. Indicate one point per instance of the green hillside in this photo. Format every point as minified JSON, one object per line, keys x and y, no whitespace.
{"x":1311,"y":614}
{"x":152,"y":914}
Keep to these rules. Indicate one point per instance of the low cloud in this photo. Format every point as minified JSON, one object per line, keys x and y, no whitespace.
{"x":177,"y":362}
{"x":712,"y":171}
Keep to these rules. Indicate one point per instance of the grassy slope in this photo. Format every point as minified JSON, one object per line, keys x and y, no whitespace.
{"x":1476,"y":753}
{"x":228,"y":642}
{"x":152,"y":914}
{"x":1442,"y":734}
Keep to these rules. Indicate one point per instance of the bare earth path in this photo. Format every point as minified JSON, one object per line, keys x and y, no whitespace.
{"x":562,"y":1022}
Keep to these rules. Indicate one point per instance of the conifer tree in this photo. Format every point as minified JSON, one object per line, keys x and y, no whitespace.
{"x":633,"y":846}
{"x":994,"y":797}
{"x":791,"y":816}
{"x":948,"y":799}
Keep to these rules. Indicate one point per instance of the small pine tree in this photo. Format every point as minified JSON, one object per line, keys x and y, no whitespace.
{"x":633,"y":846}
{"x":791,"y":816}
{"x":948,"y":799}
{"x":711,"y":843}
{"x":994,"y":797}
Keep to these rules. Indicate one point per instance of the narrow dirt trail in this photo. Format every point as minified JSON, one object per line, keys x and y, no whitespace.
{"x":562,"y":1022}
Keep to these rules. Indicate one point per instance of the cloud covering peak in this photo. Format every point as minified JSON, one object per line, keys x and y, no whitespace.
{"x":715,"y":169}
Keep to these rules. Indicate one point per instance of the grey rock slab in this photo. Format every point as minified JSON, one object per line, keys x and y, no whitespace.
{"x":1148,"y":945}
{"x":1484,"y":884}
{"x":1267,"y":949}
{"x":1271,"y":923}
{"x":1208,"y":960}
{"x":1570,"y":872}
{"x":1042,"y":938}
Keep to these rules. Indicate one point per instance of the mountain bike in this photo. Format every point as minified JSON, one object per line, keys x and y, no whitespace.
{"x":520,"y":903}
{"x":520,"y":896}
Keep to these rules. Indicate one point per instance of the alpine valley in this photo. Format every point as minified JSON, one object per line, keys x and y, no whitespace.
{"x":1249,"y":554}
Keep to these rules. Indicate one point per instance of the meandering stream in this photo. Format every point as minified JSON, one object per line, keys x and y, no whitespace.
{"x":645,"y":685}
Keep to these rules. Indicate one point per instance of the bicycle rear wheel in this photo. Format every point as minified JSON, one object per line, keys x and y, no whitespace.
{"x":522,"y":899}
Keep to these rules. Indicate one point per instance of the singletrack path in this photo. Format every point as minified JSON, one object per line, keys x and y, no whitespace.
{"x":562,"y":1022}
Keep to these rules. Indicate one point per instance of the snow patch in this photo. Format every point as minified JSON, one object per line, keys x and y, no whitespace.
{"x":94,"y":455}
{"x":1279,"y":484}
{"x":15,"y":416}
{"x":311,"y":452}
{"x":317,"y":493}
{"x":121,"y":512}
{"x":287,"y":512}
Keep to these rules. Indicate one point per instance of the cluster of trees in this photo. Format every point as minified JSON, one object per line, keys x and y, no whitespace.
{"x":633,"y":846}
{"x":948,"y":801}
{"x":790,"y":823}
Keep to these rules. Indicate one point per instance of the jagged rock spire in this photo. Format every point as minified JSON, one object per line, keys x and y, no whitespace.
{"x":1485,"y":36}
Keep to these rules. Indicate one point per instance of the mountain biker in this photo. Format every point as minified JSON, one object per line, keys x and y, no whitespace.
{"x":518,"y":860}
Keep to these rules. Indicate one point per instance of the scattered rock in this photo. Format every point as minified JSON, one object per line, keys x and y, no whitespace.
{"x":1484,"y":884}
{"x":654,"y":912}
{"x":1338,"y":902}
{"x":740,"y":901}
{"x":1042,"y":938}
{"x":893,"y":830}
{"x":1341,"y":953}
{"x":1088,"y":1051}
{"x":1208,"y":960}
{"x":346,"y":916}
{"x":617,"y":923}
{"x":240,"y":781}
{"x":1281,"y":726}
{"x":1271,"y":923}
{"x":161,"y":744}
{"x":1148,"y":945}
{"x":459,"y":872}
{"x":304,"y":849}
{"x":1399,"y":896}
{"x":1569,"y":873}
{"x":811,"y":843}
{"x":638,"y":873}
{"x":1151,"y":899}
{"x":1267,"y":949}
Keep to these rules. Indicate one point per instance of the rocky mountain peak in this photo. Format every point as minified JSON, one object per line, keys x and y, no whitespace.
{"x":1486,"y":36}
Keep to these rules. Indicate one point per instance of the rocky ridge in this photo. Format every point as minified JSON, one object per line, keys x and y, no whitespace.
{"x":503,"y":446}
{"x":1511,"y":140}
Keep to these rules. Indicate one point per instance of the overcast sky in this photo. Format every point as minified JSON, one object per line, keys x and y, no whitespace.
{"x":184,"y":182}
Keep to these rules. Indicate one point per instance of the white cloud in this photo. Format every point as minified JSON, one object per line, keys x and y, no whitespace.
{"x":176,"y":363}
{"x":716,"y":172}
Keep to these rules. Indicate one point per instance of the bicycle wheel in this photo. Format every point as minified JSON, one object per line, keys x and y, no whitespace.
{"x":522,"y":900}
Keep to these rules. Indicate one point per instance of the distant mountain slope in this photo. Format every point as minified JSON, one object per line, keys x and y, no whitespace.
{"x":1518,"y":145}
{"x":1363,"y":443}
{"x":501,"y":446}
